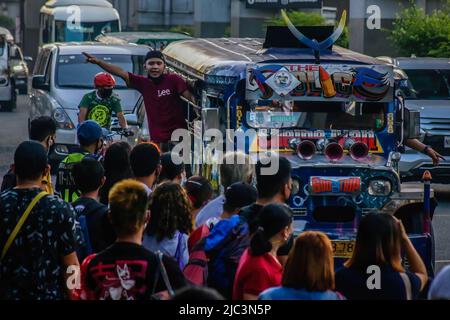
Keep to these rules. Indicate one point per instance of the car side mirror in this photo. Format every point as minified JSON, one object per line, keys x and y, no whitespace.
{"x":411,"y":125}
{"x":28,"y":59}
{"x":38,"y":83}
{"x":132,"y":119}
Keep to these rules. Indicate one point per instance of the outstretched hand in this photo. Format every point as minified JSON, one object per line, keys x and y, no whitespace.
{"x":435,"y":156}
{"x":90,"y":58}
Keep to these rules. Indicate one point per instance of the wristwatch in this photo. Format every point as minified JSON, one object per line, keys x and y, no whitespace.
{"x":425,"y":150}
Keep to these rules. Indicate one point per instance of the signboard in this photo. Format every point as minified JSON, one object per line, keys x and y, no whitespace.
{"x":311,"y":82}
{"x":287,"y":4}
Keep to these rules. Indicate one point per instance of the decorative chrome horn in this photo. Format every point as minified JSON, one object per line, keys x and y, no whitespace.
{"x":357,"y":150}
{"x":306,"y":149}
{"x":334,"y":151}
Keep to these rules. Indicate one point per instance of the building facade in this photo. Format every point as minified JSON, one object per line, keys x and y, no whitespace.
{"x":236,"y":18}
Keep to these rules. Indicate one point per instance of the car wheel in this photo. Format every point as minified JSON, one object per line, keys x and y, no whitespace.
{"x":23,"y":90}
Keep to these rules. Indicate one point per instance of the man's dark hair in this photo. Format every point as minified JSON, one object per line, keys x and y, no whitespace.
{"x":269,"y":185}
{"x":144,"y":159}
{"x":170,"y":170}
{"x":30,"y":160}
{"x":199,"y":190}
{"x":155,"y":54}
{"x":88,"y":175}
{"x":41,"y":128}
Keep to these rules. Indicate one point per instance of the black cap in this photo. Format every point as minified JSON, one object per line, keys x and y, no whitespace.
{"x":239,"y":195}
{"x":155,"y":54}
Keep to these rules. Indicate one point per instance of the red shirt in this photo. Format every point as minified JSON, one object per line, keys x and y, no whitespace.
{"x":165,"y":112}
{"x":256,"y":274}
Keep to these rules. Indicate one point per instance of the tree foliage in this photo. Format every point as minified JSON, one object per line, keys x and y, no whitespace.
{"x":6,"y":22}
{"x":422,"y":35}
{"x":300,"y":18}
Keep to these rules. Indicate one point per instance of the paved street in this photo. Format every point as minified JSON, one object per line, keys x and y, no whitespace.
{"x":13,"y":130}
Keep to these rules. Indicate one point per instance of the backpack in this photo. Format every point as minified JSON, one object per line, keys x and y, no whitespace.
{"x":85,"y":212}
{"x":225,"y":255}
{"x":196,"y":270}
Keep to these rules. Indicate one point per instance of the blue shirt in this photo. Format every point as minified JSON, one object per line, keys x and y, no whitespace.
{"x":352,"y":283}
{"x":170,"y":247}
{"x":285,"y":293}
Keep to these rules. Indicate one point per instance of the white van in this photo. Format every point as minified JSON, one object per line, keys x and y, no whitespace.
{"x":62,"y":77}
{"x":77,"y":20}
{"x":7,"y":85}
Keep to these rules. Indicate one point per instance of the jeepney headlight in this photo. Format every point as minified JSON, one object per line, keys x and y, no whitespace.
{"x":379,"y":187}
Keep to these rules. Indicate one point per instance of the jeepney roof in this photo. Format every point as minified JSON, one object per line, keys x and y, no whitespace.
{"x":229,"y":57}
{"x":141,"y":37}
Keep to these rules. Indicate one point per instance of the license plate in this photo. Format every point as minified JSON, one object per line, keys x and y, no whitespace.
{"x":446,"y":142}
{"x":343,"y":249}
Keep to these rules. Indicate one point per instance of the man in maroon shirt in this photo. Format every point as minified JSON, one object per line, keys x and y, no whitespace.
{"x":161,"y":92}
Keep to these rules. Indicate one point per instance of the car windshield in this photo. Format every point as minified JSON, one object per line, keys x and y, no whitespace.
{"x":317,"y":115}
{"x":72,"y":71}
{"x":86,"y":31}
{"x":427,"y":84}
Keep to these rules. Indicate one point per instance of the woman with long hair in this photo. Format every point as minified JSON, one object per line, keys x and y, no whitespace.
{"x":259,"y":268}
{"x":309,"y":271}
{"x":170,"y":222}
{"x":375,"y":270}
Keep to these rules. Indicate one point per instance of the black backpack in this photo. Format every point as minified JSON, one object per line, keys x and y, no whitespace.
{"x":86,"y":212}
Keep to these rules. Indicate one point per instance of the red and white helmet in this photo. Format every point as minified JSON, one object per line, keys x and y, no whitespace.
{"x":104,"y":80}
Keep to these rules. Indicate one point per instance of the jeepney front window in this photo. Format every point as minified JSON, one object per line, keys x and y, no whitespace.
{"x":316,"y":115}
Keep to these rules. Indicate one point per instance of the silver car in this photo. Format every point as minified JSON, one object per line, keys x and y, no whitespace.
{"x":62,"y":77}
{"x":427,"y":89}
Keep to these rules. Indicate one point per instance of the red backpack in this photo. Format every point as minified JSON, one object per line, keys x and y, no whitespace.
{"x":196,"y":270}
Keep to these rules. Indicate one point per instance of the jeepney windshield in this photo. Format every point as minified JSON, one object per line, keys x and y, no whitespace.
{"x":316,"y":115}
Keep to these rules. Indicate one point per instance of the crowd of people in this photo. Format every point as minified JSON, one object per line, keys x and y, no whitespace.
{"x":133,"y":226}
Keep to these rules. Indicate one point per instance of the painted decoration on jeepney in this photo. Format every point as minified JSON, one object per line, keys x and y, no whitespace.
{"x":262,"y":143}
{"x":315,"y":82}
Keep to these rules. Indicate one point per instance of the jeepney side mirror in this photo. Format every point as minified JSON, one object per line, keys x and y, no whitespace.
{"x":210,"y":118}
{"x":411,"y":124}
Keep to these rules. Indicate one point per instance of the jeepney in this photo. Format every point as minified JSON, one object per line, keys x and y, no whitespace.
{"x":333,"y":113}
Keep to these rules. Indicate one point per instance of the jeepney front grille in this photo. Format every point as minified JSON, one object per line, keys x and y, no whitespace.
{"x":300,"y":211}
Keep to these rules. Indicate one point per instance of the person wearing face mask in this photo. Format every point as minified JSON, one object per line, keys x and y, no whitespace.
{"x":90,"y":137}
{"x":161,"y":91}
{"x":101,"y":104}
{"x":42,"y":130}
